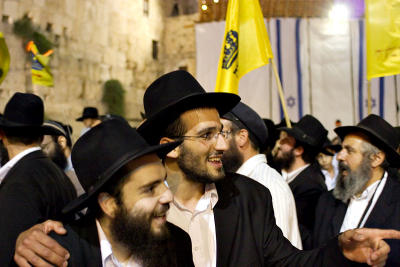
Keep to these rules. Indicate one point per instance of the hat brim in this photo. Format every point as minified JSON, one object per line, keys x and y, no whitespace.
{"x":82,"y":201}
{"x":298,"y":135}
{"x":392,"y":156}
{"x":86,"y":117}
{"x":6,"y":124}
{"x":152,"y":127}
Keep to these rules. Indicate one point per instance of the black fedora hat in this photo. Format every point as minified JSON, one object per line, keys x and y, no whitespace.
{"x":23,"y":112}
{"x":102,"y":151}
{"x":381,"y":134}
{"x":171,"y":95}
{"x":88,"y":112}
{"x":58,"y":128}
{"x":328,"y":145}
{"x":252,"y":121}
{"x":308,"y":130}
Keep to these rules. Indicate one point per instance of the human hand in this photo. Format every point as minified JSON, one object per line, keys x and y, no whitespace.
{"x":366,"y":245}
{"x":35,"y":247}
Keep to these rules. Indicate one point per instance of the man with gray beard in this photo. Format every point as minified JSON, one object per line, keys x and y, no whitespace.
{"x":366,"y":194}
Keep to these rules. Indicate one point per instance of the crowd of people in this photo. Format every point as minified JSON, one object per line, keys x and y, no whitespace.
{"x":202,"y":181}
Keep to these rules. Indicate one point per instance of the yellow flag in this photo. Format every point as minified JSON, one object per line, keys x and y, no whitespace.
{"x":246,"y":45}
{"x":4,"y":58}
{"x":41,"y":73}
{"x":383,"y":37}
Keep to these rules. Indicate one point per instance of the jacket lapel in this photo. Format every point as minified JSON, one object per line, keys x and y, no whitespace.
{"x":383,"y":207}
{"x":226,"y":214}
{"x":338,"y":217}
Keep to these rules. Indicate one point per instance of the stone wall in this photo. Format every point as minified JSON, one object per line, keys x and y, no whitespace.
{"x":97,"y":40}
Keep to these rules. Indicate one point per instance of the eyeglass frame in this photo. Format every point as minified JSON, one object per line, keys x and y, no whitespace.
{"x":213,"y":138}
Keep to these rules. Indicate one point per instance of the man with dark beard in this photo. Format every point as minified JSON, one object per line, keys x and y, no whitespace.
{"x":248,"y":137}
{"x":57,"y":146}
{"x":127,"y":202}
{"x":297,"y":149}
{"x":229,"y":217}
{"x":366,"y":194}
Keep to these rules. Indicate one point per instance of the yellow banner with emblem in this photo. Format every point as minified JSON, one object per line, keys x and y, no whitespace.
{"x":246,"y":44}
{"x":4,"y":58}
{"x":41,"y":73}
{"x":383,"y":37}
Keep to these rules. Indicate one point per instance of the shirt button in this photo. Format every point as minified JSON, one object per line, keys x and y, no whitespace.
{"x":196,"y":248}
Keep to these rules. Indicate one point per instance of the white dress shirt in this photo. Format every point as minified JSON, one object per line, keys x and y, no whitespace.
{"x":200,"y":226}
{"x":292,"y":175}
{"x":7,"y":167}
{"x":107,"y":257}
{"x":283,"y":202}
{"x":358,"y":205}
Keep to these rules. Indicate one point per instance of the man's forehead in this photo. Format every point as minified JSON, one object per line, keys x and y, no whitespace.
{"x":201,"y":117}
{"x":354,"y":140}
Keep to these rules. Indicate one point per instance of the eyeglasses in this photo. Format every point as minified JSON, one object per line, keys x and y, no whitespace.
{"x":207,"y":137}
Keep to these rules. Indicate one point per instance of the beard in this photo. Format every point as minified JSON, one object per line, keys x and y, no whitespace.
{"x":352,"y":183}
{"x":191,"y":165}
{"x":3,"y":154}
{"x":136,"y":234}
{"x":284,"y":159}
{"x":232,"y":159}
{"x":56,"y":155}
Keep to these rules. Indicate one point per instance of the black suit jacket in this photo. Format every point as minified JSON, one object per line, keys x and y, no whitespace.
{"x":247,"y":234}
{"x":82,"y":242}
{"x":34,"y":190}
{"x":330,"y":214}
{"x":307,"y":188}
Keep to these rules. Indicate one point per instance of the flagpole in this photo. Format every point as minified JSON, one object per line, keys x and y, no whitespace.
{"x":280,"y":90}
{"x":369,"y":98}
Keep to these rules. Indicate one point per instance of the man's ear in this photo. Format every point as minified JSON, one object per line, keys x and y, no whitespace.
{"x":62,"y":141}
{"x":107,"y":204}
{"x":242,"y":137}
{"x":377,"y":159}
{"x":298,"y":151}
{"x":173,"y":153}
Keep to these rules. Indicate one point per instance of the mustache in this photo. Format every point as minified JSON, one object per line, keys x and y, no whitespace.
{"x":161,"y":211}
{"x":343,"y":167}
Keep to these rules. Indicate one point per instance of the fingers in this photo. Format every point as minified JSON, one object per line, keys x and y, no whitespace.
{"x":379,"y":256}
{"x":35,"y":247}
{"x":55,"y":226}
{"x":380,"y":233}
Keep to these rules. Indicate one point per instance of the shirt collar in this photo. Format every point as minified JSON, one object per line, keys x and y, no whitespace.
{"x":7,"y":167}
{"x":369,"y":191}
{"x":210,"y":196}
{"x":292,"y":175}
{"x":251,"y":163}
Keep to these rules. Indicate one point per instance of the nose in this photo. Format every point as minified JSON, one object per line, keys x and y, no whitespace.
{"x":166,"y":197}
{"x":341,"y":155}
{"x":221,"y":144}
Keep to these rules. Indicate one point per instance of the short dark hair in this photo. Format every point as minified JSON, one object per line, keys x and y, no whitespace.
{"x":309,"y":154}
{"x":25,"y":137}
{"x":114,"y":188}
{"x":238,"y":125}
{"x":175,"y":128}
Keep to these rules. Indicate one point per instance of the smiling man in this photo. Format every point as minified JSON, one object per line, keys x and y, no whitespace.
{"x":127,"y":203}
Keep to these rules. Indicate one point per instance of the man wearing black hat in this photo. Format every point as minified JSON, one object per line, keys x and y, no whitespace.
{"x":248,"y":136}
{"x":90,"y":118}
{"x":229,"y":217}
{"x":127,"y":202}
{"x":57,"y":146}
{"x":32,"y":187}
{"x":366,"y":195}
{"x":297,"y":149}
